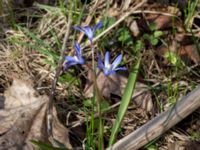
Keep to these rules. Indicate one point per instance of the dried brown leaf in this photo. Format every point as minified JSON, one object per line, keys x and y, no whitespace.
{"x":187,"y":52}
{"x":24,"y":119}
{"x":115,"y":84}
{"x":162,"y":18}
{"x":133,"y":26}
{"x":190,"y":51}
{"x":184,"y":145}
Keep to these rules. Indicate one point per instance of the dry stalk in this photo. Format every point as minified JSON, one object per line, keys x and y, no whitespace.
{"x":54,"y":81}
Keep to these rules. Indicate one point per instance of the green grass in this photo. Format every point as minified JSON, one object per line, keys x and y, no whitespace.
{"x":44,"y":146}
{"x":189,"y":13}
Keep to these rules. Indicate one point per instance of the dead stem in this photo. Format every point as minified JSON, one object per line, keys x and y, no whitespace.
{"x":54,"y":81}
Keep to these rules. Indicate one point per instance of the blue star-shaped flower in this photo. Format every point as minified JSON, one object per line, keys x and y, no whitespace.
{"x":77,"y":59}
{"x":107,"y":67}
{"x":88,"y":31}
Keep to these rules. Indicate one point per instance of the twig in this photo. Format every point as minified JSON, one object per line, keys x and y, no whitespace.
{"x":58,"y":70}
{"x":154,"y":12}
{"x":160,"y":124}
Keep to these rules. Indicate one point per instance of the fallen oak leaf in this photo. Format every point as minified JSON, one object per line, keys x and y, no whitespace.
{"x":190,"y":51}
{"x":24,"y":118}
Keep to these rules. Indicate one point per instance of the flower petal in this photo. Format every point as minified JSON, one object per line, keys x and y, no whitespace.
{"x":78,"y":50}
{"x":116,"y":62}
{"x":120,"y":68}
{"x":107,"y":60}
{"x":78,"y":28}
{"x":100,"y":63}
{"x":70,"y":61}
{"x":88,"y":32}
{"x":69,"y":58}
{"x":98,"y":26}
{"x":81,"y":61}
{"x":108,"y":72}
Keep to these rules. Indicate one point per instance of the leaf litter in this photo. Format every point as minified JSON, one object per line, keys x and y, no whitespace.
{"x":21,"y":119}
{"x":115,"y":84}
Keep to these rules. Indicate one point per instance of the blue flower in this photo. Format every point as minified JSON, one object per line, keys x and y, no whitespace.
{"x":77,"y":59}
{"x":107,"y":67}
{"x":88,"y":31}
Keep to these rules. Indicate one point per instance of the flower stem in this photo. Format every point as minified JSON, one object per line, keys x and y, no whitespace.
{"x":98,"y":101}
{"x":92,"y":49}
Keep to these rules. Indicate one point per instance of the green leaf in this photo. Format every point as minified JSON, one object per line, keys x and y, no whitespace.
{"x":138,"y":45}
{"x":154,"y":41}
{"x":146,"y":36}
{"x":152,"y":147}
{"x":87,"y":103}
{"x":152,"y":26}
{"x":124,"y":36}
{"x":45,"y":146}
{"x":157,"y":34}
{"x":171,"y":57}
{"x":104,"y":105}
{"x":125,"y":101}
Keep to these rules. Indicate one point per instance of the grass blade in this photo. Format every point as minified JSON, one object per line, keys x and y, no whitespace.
{"x":125,"y":101}
{"x":43,"y":146}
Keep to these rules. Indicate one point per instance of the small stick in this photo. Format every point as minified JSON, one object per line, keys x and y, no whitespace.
{"x":160,"y":124}
{"x":54,"y":81}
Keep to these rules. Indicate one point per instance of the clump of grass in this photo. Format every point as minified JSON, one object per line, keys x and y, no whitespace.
{"x":190,"y":13}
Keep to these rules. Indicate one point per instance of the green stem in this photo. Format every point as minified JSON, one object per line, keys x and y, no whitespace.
{"x":98,"y":102}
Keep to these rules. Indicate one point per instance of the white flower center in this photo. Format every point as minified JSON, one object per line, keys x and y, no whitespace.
{"x":108,"y":66}
{"x":76,"y":58}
